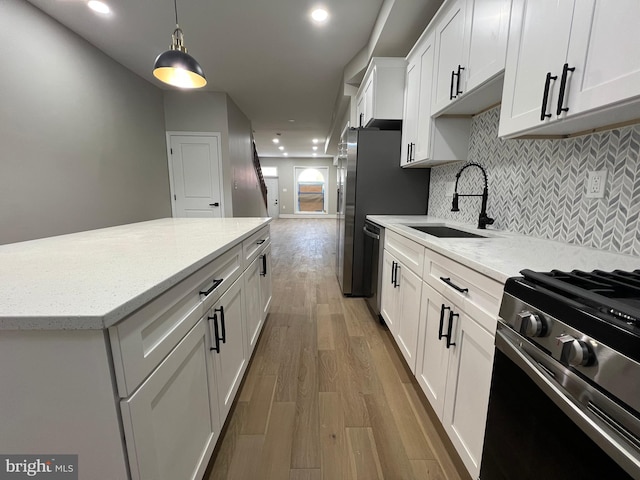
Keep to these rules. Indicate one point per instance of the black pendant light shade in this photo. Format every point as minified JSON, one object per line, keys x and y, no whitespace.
{"x":176,"y":67}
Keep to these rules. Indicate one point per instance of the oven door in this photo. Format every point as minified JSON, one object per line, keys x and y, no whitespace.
{"x":371,"y":253}
{"x":537,"y":430}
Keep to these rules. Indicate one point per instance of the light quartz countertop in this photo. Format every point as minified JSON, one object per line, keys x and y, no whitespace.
{"x":93,"y":279}
{"x":503,"y":254}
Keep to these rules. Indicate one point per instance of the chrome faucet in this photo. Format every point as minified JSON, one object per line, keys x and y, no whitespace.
{"x":483,"y":219}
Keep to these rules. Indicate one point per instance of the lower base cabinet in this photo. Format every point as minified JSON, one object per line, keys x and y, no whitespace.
{"x":455,"y":361}
{"x":171,"y":422}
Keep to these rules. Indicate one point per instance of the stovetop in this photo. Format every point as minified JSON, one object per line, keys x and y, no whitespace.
{"x":603,"y":305}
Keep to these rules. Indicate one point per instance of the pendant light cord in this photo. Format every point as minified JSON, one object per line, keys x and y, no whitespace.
{"x":175,"y":6}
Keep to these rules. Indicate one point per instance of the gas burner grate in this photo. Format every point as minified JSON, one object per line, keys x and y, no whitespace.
{"x":615,"y":293}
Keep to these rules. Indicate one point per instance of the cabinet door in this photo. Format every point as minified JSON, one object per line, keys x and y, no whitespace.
{"x":433,"y":355}
{"x":360,"y":121}
{"x":231,"y":361}
{"x":410,"y":117}
{"x":369,"y":92}
{"x":604,"y":52}
{"x":409,"y":291}
{"x":253,"y":299}
{"x":449,"y":46}
{"x":424,"y":131}
{"x":265,"y":282}
{"x":388,"y":301}
{"x":538,"y":42}
{"x":467,"y":391}
{"x":487,"y":28}
{"x":171,"y":422}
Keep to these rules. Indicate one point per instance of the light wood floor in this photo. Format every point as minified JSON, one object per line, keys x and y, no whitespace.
{"x":326,"y":396}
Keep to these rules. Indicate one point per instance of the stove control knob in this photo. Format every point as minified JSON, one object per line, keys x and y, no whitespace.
{"x":530,"y":325}
{"x":575,"y":352}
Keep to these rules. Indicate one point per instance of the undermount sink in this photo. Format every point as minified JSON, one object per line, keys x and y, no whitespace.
{"x":441,"y":231}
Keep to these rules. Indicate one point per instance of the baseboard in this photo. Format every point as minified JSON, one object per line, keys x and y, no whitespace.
{"x":310,"y":215}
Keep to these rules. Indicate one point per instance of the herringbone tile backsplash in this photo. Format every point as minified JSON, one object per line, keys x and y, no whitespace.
{"x":537,"y":187}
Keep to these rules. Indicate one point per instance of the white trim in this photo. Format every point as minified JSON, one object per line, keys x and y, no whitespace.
{"x":309,"y":215}
{"x":168,"y":135}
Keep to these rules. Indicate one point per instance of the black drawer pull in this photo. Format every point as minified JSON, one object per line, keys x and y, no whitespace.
{"x":545,"y":96}
{"x":263,"y":273}
{"x":458,"y":91}
{"x":448,"y":335}
{"x":260,"y":242}
{"x":393,"y":273}
{"x":216,"y":338}
{"x":396,"y":283}
{"x":442,"y":309}
{"x":563,"y":86}
{"x":453,"y":285}
{"x":222,"y":325}
{"x":216,"y":283}
{"x":451,"y":95}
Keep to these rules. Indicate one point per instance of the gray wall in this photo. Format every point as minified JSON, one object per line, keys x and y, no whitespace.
{"x":537,"y":187}
{"x":215,"y":112}
{"x":286,"y":180}
{"x":82,"y":137}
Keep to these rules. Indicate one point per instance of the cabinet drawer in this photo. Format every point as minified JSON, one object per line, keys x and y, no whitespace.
{"x":408,"y":252}
{"x":141,"y":341}
{"x":252,"y":245}
{"x":481,"y":300}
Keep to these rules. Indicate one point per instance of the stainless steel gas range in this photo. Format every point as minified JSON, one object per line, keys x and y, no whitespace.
{"x":565,"y":392}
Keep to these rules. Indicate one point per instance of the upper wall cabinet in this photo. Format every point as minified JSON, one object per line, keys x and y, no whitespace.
{"x":567,"y":64}
{"x":381,"y":92}
{"x":427,"y":141}
{"x":471,"y":39}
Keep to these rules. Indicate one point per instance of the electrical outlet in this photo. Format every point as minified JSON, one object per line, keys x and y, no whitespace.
{"x":596,"y":184}
{"x":449,"y":188}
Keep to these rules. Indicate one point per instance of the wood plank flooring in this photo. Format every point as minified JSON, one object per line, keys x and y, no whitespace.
{"x":327,"y":395}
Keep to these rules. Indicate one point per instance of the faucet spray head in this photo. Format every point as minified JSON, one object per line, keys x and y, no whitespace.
{"x":454,"y":204}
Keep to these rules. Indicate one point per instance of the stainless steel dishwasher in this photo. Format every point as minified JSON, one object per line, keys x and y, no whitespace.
{"x":373,"y":250}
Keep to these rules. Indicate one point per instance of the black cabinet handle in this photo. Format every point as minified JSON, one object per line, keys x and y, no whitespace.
{"x":216,"y":338}
{"x":216,"y":282}
{"x":412,"y":156}
{"x":263,"y":273}
{"x":260,"y":242}
{"x":449,"y":328}
{"x":442,"y":309}
{"x":563,"y":86}
{"x":397,"y":282}
{"x":451,"y":96}
{"x":393,"y":272}
{"x":453,"y":285}
{"x":222,"y":325}
{"x":361,"y":118}
{"x":545,"y":96}
{"x":217,"y":204}
{"x":408,"y":152}
{"x":458,"y":91}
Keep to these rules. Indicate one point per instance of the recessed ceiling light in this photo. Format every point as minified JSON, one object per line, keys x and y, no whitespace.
{"x":281,"y":147}
{"x":285,"y":154}
{"x":319,"y":15}
{"x":314,"y":147}
{"x":315,"y":140}
{"x":292,"y":120}
{"x":275,"y":140}
{"x":99,"y":7}
{"x":314,"y":154}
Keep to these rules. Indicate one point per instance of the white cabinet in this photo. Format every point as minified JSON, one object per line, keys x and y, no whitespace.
{"x":467,"y":392}
{"x":227,"y":319}
{"x":401,"y":292}
{"x":427,"y":141}
{"x":381,"y":93}
{"x":171,"y":422}
{"x":567,"y":64}
{"x":266,"y":290}
{"x":471,"y":40}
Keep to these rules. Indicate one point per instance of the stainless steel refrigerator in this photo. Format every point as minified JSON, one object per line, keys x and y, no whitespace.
{"x":371,"y":182}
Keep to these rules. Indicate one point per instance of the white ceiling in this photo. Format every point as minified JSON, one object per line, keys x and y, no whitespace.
{"x":267,"y":55}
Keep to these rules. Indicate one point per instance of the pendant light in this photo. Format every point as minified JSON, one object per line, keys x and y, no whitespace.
{"x":175,"y":66}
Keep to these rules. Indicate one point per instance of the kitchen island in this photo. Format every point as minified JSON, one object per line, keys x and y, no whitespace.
{"x":126,"y":345}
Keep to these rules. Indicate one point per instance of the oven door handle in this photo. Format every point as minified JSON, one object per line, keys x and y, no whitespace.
{"x":369,"y":233}
{"x":627,"y":459}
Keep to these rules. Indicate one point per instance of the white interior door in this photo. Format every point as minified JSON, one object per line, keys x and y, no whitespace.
{"x":196,"y":175}
{"x":273,"y":208}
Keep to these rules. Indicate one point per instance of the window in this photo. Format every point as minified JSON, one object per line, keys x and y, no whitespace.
{"x":269,"y":171}
{"x":310,"y":190}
